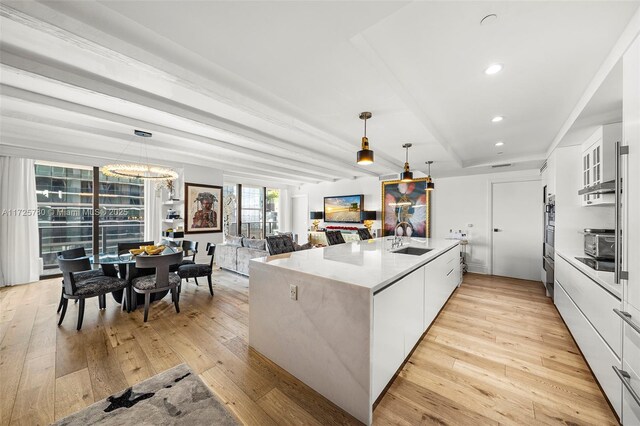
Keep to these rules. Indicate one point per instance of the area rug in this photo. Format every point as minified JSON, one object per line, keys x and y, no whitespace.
{"x":175,"y":396}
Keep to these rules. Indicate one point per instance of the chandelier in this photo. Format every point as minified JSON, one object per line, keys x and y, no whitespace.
{"x":139,"y":170}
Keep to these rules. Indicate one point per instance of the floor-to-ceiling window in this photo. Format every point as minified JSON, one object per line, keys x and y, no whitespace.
{"x":252,"y":212}
{"x":66,"y":211}
{"x":272,"y":211}
{"x":230,"y":209}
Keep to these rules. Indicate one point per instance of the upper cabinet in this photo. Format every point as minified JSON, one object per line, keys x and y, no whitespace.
{"x":598,"y":164}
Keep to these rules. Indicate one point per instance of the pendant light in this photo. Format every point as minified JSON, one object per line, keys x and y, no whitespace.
{"x":406,"y":175}
{"x":142,"y":169}
{"x":365,"y":155}
{"x":430,"y":185}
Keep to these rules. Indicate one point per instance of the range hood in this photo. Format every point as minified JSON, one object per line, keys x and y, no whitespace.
{"x":608,"y":187}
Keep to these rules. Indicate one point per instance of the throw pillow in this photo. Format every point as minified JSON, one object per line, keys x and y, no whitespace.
{"x":299,"y":247}
{"x":254,"y":244}
{"x":233,"y":241}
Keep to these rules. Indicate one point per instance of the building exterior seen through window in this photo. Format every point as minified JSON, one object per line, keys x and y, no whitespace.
{"x":65,"y":211}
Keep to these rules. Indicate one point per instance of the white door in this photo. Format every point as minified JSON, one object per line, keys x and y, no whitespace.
{"x":517,"y":229}
{"x":300,"y":217}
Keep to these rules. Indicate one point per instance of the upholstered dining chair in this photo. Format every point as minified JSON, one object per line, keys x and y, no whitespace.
{"x":195,"y":270}
{"x":161,"y":280}
{"x":334,"y":237}
{"x":189,"y":249}
{"x":364,"y":234}
{"x":74,"y":253}
{"x":123,"y":248}
{"x":81,"y":289}
{"x":278,"y":244}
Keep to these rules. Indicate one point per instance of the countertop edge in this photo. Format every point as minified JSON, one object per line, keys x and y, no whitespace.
{"x":590,"y":273}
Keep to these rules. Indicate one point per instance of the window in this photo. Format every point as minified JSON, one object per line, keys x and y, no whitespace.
{"x":121,"y":211}
{"x":252,"y":212}
{"x":230,"y":209}
{"x":273,"y":211}
{"x":65,"y":211}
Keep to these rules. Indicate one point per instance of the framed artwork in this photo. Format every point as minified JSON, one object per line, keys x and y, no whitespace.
{"x":407,"y":204}
{"x":202,"y":208}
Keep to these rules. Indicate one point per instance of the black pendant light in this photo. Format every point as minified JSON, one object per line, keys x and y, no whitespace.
{"x":365,"y":155}
{"x":430,"y":185}
{"x":406,"y":175}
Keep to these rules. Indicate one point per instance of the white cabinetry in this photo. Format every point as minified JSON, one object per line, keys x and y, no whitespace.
{"x":405,"y":309}
{"x":595,"y":350}
{"x":631,"y":234}
{"x":598,"y":161}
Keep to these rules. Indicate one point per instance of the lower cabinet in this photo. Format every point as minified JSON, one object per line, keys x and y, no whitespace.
{"x":397,"y":326}
{"x":600,"y":357}
{"x":404,"y":310}
{"x":631,"y":363}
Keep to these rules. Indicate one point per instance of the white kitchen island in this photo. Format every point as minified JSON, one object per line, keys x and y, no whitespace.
{"x":343,"y":318}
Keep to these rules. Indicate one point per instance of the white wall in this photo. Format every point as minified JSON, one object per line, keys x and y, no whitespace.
{"x":455,"y":203}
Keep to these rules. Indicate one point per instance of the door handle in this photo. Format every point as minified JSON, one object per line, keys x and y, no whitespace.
{"x":625,"y":377}
{"x":496,"y":230}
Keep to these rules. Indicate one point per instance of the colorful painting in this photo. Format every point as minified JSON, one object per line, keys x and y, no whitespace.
{"x":406,"y":204}
{"x":203,"y":208}
{"x":345,"y":208}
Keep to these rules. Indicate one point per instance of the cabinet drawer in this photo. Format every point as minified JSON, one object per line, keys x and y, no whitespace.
{"x":597,"y":353}
{"x":630,"y":407}
{"x":595,"y":303}
{"x":631,"y":341}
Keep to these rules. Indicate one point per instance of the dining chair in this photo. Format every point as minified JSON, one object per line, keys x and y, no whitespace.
{"x":199,"y":269}
{"x":278,"y":244}
{"x":364,"y":234}
{"x":189,"y":249}
{"x":123,"y":248}
{"x":161,"y":280}
{"x":81,"y":289}
{"x":74,"y":253}
{"x":334,"y":237}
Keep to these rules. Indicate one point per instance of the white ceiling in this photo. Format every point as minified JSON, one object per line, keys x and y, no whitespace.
{"x":273,"y":89}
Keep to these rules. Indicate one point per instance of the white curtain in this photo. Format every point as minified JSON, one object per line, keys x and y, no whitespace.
{"x":152,"y":212}
{"x":19,"y":245}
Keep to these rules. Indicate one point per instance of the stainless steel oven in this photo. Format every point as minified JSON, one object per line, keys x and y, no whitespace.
{"x":549,"y":243}
{"x":600,"y":243}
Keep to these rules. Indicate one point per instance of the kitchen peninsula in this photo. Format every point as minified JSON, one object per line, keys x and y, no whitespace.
{"x":344,"y":318}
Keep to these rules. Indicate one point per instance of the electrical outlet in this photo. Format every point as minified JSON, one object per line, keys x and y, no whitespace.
{"x":293,"y":292}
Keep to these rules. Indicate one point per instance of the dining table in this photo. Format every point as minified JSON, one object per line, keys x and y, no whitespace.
{"x":124,"y":266}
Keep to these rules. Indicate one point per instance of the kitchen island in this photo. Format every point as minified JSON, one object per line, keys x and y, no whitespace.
{"x":343,"y":318}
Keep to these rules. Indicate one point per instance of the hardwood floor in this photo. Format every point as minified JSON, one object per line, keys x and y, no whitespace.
{"x":498,"y":353}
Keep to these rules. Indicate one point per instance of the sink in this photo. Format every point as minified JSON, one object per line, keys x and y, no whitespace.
{"x":415,"y":251}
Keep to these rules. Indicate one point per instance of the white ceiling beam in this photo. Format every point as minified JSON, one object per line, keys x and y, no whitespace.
{"x":22,"y":33}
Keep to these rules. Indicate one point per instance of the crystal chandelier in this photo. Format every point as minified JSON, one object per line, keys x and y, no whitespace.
{"x":140,"y":170}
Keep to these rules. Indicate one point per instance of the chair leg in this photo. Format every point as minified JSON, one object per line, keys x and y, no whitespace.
{"x":102,"y":301}
{"x":176,"y":299}
{"x":196,"y":280}
{"x":80,"y":314}
{"x":210,"y":284}
{"x":64,"y":302}
{"x":133,"y":300}
{"x":147,"y":300}
{"x":61,"y":301}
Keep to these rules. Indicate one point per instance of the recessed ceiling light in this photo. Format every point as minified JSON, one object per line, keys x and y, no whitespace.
{"x":493,"y":69}
{"x":497,"y":119}
{"x":499,"y":143}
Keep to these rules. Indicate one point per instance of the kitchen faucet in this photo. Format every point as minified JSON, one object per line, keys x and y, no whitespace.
{"x":397,"y":240}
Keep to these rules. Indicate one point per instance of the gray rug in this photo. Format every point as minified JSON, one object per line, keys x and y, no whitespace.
{"x":175,"y":396}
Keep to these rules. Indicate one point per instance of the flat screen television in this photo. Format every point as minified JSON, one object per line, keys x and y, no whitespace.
{"x":343,"y":208}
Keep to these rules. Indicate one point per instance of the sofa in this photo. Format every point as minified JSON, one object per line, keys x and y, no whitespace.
{"x":235,"y":253}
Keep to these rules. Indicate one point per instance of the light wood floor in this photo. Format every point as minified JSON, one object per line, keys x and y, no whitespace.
{"x":498,"y":353}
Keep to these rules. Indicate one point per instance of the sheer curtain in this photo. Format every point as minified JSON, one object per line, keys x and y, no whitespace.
{"x":19,"y":246}
{"x":152,"y":212}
